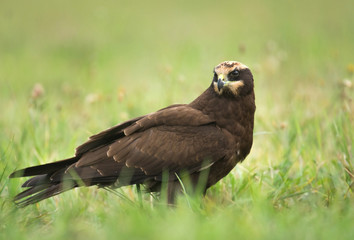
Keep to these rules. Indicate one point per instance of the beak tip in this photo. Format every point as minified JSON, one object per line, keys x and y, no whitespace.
{"x":220,"y":84}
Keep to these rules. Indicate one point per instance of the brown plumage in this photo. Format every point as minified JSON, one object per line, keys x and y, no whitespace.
{"x":210,"y":135}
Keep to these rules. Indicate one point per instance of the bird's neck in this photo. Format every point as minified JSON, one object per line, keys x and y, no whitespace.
{"x":228,"y":108}
{"x":235,"y":115}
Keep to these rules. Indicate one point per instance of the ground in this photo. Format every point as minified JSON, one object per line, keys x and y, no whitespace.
{"x":70,"y":69}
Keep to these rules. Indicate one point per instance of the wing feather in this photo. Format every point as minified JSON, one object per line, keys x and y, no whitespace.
{"x":175,"y":148}
{"x":176,"y":139}
{"x":105,"y":137}
{"x":174,"y":116}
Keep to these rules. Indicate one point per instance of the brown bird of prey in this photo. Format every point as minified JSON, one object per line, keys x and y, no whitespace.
{"x":209,"y":135}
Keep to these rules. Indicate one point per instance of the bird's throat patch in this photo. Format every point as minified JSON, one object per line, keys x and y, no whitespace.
{"x":231,"y":87}
{"x":235,"y":87}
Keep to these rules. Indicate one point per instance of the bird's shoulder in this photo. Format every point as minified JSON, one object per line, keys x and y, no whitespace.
{"x":173,"y":115}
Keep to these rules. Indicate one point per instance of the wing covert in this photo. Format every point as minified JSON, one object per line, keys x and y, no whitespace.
{"x":172,"y":148}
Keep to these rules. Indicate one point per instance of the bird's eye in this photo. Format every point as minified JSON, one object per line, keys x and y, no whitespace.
{"x":234,"y":74}
{"x":215,"y":79}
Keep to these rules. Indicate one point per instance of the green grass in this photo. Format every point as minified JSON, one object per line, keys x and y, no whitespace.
{"x":101,"y":63}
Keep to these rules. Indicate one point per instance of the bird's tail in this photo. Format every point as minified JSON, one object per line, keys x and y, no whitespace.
{"x":42,"y":186}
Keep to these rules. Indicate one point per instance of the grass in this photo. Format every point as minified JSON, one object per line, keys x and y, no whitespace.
{"x":100,"y":63}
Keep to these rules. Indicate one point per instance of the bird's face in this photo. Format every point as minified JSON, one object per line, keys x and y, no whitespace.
{"x":232,"y":78}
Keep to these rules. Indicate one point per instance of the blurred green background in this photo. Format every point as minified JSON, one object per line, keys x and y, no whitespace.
{"x":69,"y":69}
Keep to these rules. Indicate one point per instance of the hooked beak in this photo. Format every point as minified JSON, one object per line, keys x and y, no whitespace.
{"x":221,"y":82}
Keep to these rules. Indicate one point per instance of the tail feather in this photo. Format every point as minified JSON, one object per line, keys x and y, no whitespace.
{"x":35,"y":181}
{"x":43,"y":169}
{"x":31,"y":191}
{"x":41,"y":192}
{"x":41,"y":186}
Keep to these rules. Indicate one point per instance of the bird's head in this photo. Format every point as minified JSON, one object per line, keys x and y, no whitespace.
{"x":232,"y":79}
